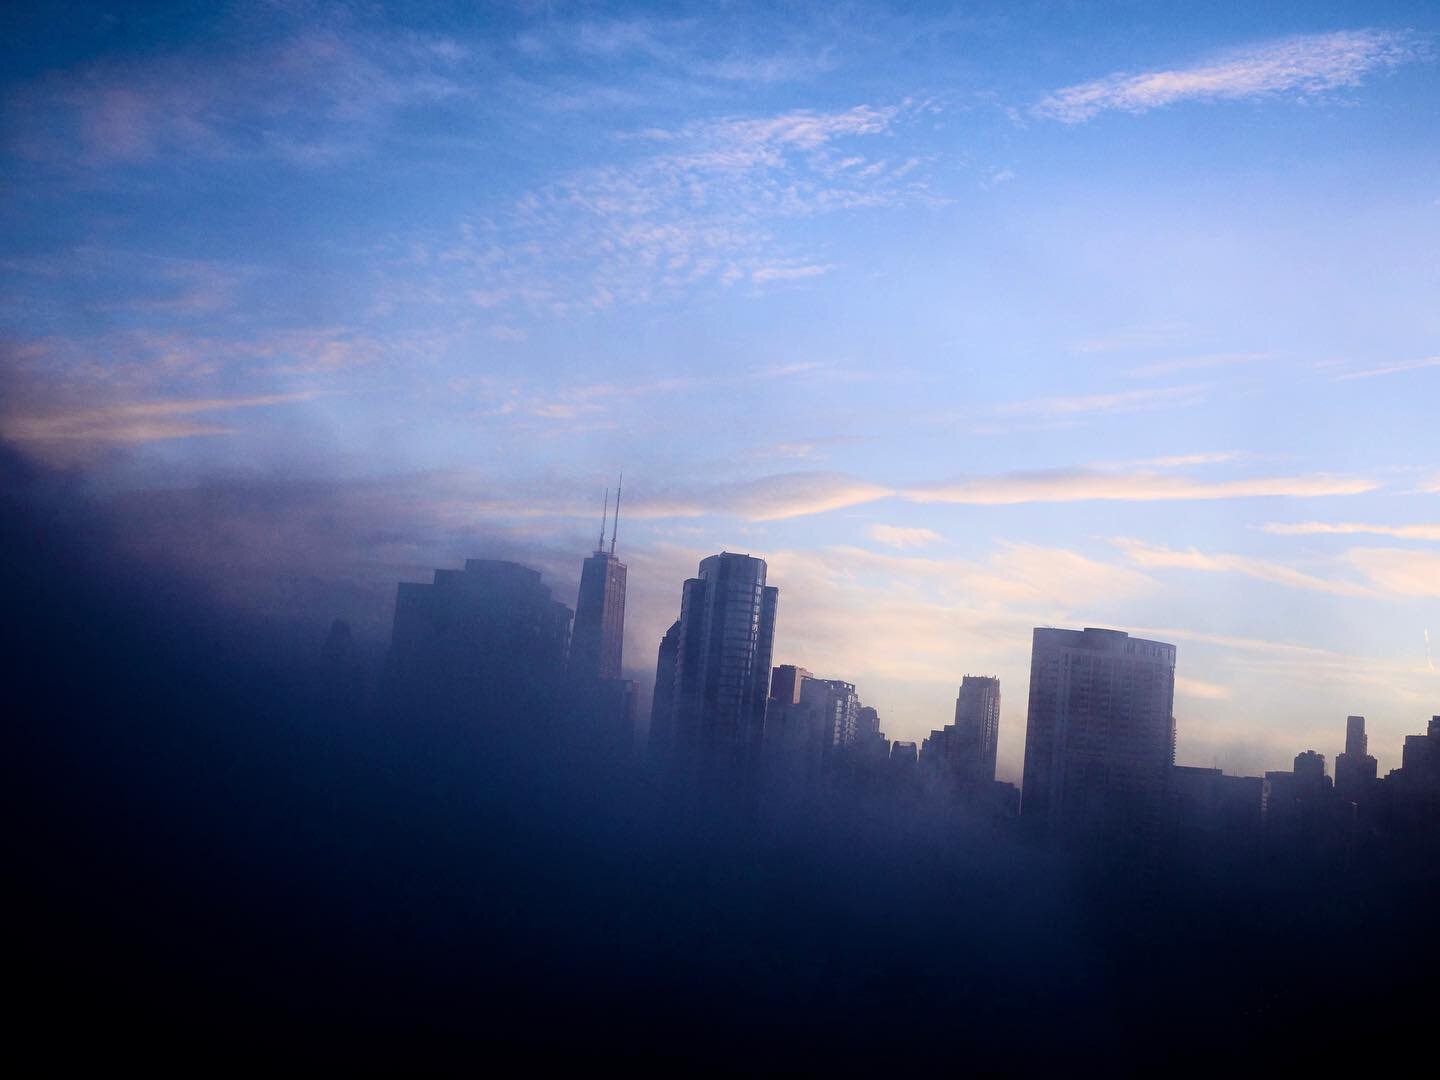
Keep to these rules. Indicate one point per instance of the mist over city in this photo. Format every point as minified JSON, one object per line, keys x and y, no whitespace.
{"x":723,"y":537}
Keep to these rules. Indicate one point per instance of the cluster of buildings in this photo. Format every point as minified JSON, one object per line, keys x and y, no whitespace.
{"x":726,"y":721}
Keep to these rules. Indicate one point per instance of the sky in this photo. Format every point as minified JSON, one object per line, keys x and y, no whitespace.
{"x":967,"y":318}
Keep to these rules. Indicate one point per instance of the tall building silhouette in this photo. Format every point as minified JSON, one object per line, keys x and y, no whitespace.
{"x":602,"y":702}
{"x":1099,"y":735}
{"x":1356,"y":771}
{"x":722,"y":669}
{"x":598,"y":643}
{"x":964,"y":751}
{"x":662,"y":701}
{"x":977,"y":723}
{"x":486,"y":639}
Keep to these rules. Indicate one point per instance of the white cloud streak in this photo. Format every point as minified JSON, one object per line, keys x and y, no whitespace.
{"x":1157,"y":558}
{"x":1304,"y":65}
{"x":1082,"y":486}
{"x":1390,"y":369}
{"x":1351,"y":528}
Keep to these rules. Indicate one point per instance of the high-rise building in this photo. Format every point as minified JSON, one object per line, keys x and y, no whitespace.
{"x":1356,"y":771}
{"x":838,"y":706}
{"x":662,"y":703}
{"x":485,"y":639}
{"x":964,"y":752}
{"x":598,"y":642}
{"x":1099,"y":735}
{"x":602,"y":702}
{"x":977,"y":722}
{"x":722,"y":669}
{"x":785,"y":684}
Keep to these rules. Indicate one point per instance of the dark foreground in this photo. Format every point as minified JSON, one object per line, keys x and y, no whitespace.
{"x":218,"y":860}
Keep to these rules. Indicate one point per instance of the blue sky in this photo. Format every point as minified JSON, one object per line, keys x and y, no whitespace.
{"x":968,"y":320}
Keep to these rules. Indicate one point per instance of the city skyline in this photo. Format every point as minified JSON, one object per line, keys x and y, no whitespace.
{"x":972,"y":321}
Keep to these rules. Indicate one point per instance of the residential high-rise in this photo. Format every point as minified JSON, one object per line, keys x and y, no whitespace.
{"x":722,"y":669}
{"x":785,"y":684}
{"x":1099,"y":736}
{"x":1356,"y":771}
{"x":598,"y":642}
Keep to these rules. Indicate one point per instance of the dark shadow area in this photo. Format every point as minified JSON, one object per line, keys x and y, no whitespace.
{"x":226,"y":851}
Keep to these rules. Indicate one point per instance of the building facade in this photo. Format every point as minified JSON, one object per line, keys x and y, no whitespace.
{"x":721,"y":677}
{"x":1099,"y":736}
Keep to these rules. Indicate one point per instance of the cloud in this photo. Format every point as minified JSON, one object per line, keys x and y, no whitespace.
{"x":1191,"y":363}
{"x":899,"y":536}
{"x":1325,"y":528}
{"x":136,"y":422}
{"x":700,"y":205}
{"x":1122,"y":401}
{"x":1152,"y":557}
{"x":788,"y":495}
{"x":788,"y":273}
{"x":1400,"y":571}
{"x":1087,"y":485}
{"x":311,"y":98}
{"x":1199,"y":688}
{"x":1390,"y":369}
{"x":1303,"y":65}
{"x":1180,"y":461}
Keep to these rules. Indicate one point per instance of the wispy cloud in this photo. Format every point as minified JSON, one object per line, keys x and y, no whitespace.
{"x":1351,"y":528}
{"x":1121,"y":401}
{"x":1199,"y":688}
{"x":1402,"y":572}
{"x":1390,"y":369}
{"x":679,"y":209}
{"x":1192,"y":363}
{"x":261,"y":97}
{"x":136,"y":422}
{"x":1086,"y":485}
{"x":899,"y":536}
{"x":1304,"y":65}
{"x":1154,"y":557}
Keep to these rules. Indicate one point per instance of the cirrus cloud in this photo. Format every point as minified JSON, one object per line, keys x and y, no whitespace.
{"x":1305,"y":64}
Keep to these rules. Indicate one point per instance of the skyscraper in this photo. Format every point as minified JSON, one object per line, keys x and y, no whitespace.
{"x":1099,"y":737}
{"x":1355,"y":770}
{"x":598,"y":642}
{"x":602,"y":702}
{"x":722,"y":669}
{"x":977,"y":723}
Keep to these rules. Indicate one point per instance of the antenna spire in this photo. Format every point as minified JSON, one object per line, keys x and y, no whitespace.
{"x":615,"y":525}
{"x":605,"y":514}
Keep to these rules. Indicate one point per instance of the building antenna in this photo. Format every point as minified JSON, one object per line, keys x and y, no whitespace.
{"x":603,"y":515}
{"x":615,"y":525}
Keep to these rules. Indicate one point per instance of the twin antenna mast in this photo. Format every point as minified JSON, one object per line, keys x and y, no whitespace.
{"x":605,"y":514}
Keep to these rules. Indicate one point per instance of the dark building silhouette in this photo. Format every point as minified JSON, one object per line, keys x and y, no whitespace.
{"x":1355,"y":769}
{"x":598,"y":643}
{"x":1300,"y":819}
{"x":963,"y":753}
{"x":662,"y":701}
{"x":1411,"y":793}
{"x":785,"y":684}
{"x":486,"y":639}
{"x":722,"y":670}
{"x":602,"y":702}
{"x":1209,"y":813}
{"x":1099,"y":736}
